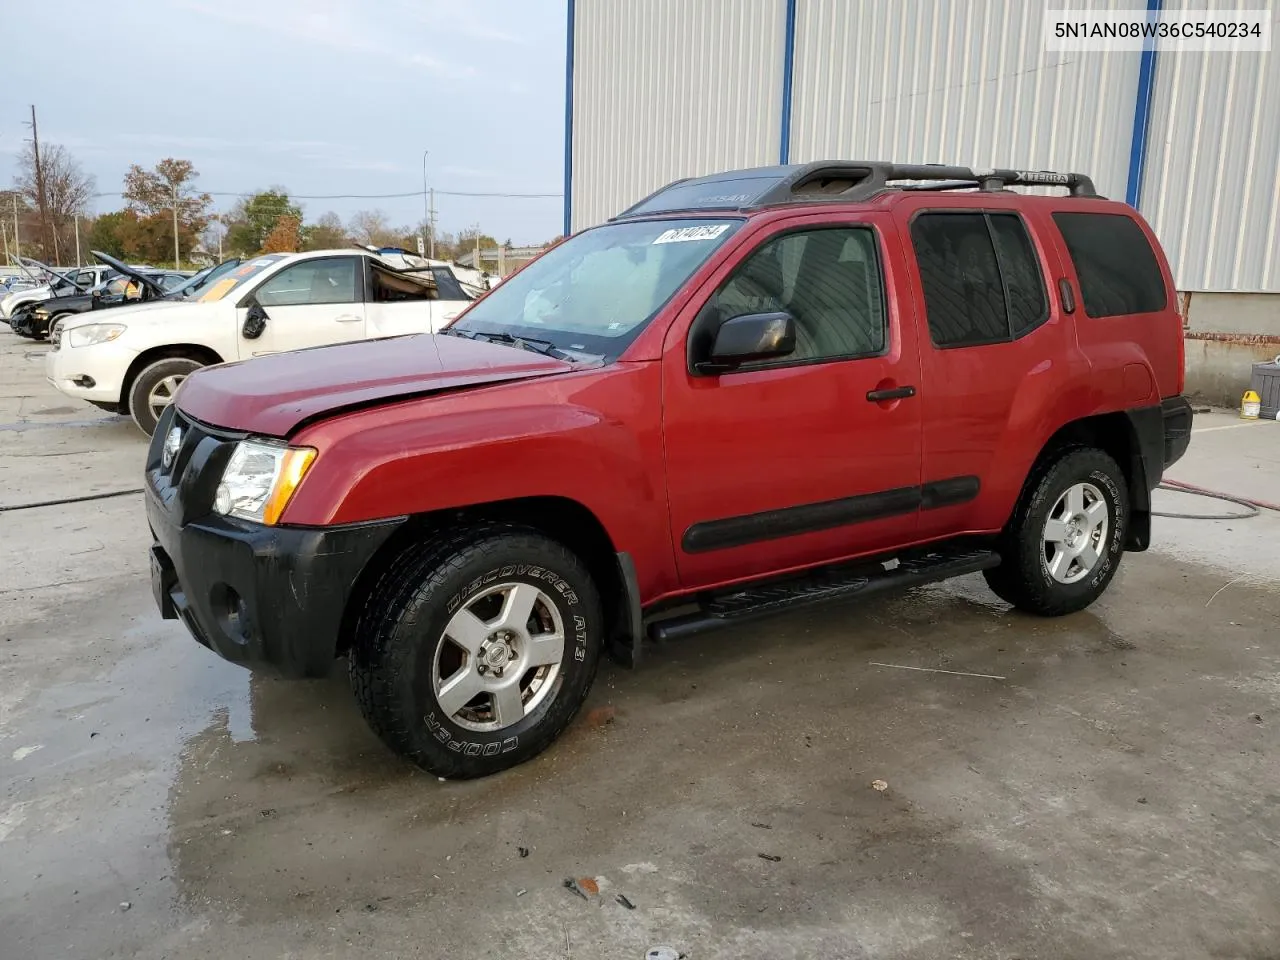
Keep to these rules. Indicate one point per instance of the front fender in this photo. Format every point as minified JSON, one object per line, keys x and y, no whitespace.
{"x":593,"y":437}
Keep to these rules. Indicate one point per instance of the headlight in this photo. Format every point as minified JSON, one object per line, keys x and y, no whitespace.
{"x":92,"y":333}
{"x":260,"y":478}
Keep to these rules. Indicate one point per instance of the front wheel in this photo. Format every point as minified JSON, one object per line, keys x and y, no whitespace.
{"x":1065,"y":540}
{"x":153,"y":389}
{"x":56,"y":324}
{"x":475,"y":651}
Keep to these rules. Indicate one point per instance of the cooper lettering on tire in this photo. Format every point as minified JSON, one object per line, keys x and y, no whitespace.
{"x":1063,"y":544}
{"x":475,"y":651}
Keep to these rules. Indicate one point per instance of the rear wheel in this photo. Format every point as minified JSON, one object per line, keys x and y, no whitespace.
{"x":475,"y":651}
{"x":1065,"y":540}
{"x":153,"y":389}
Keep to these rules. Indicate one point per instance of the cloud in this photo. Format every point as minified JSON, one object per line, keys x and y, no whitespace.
{"x":449,"y":17}
{"x":345,"y":25}
{"x":172,"y":141}
{"x":472,"y":172}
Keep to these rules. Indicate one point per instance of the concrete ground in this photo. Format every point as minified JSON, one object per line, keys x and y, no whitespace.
{"x":1108,"y":790}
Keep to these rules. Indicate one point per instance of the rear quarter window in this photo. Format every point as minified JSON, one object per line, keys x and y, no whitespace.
{"x":1117,"y":268}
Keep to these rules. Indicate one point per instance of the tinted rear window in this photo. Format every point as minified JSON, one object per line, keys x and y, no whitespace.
{"x":1117,"y":268}
{"x":980,"y":276}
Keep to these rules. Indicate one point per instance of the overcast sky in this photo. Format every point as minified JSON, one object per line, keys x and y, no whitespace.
{"x":321,"y":96}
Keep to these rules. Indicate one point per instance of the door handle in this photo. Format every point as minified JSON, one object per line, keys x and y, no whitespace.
{"x":347,"y":318}
{"x":892,"y":393}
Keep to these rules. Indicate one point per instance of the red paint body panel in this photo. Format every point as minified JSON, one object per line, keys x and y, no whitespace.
{"x":733,"y":448}
{"x":272,"y":395}
{"x":592,"y":436}
{"x":652,"y":450}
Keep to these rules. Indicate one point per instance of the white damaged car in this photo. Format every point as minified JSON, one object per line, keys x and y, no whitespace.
{"x":132,"y":359}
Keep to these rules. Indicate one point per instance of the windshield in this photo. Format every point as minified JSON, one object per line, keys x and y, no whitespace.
{"x":202,"y":280}
{"x":597,"y":291}
{"x":240,"y":276}
{"x":190,"y":283}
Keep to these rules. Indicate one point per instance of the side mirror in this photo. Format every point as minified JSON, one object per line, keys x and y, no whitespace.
{"x":255,"y":321}
{"x":754,"y":336}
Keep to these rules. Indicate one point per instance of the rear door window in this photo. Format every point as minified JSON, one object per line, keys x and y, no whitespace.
{"x":981,"y":277}
{"x":392,"y":286}
{"x":1117,"y":268}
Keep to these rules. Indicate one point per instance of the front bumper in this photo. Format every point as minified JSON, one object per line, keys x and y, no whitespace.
{"x":268,"y":598}
{"x":105,"y":363}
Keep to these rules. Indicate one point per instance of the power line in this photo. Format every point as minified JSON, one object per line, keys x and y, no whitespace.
{"x":375,"y":196}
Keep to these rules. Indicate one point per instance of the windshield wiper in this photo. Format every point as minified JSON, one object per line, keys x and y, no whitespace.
{"x":544,"y":347}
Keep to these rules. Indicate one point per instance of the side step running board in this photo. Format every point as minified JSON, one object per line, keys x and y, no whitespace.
{"x":826,"y":585}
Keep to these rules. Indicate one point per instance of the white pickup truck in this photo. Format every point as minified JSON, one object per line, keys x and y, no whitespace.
{"x":132,"y":359}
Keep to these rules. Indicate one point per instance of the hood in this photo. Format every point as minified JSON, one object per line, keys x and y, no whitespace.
{"x":273,"y":395}
{"x":138,"y":312}
{"x":130,"y":272}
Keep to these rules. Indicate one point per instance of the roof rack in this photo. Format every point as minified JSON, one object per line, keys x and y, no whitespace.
{"x":839,"y":181}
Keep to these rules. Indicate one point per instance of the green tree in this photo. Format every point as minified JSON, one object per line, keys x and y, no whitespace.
{"x":113,"y":232}
{"x":255,"y":217}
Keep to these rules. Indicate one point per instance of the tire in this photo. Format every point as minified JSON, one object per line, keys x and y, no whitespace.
{"x":53,"y":325}
{"x":170,"y":370}
{"x":406,"y":659}
{"x":1026,"y":576}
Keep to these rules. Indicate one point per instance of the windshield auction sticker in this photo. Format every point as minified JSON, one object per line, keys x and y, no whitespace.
{"x":686,"y":234}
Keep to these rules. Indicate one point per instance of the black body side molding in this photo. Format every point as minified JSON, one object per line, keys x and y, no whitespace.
{"x":812,"y":517}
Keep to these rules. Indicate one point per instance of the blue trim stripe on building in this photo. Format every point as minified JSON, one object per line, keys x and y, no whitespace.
{"x":1142,"y":114}
{"x":568,"y":126}
{"x":788,"y":69}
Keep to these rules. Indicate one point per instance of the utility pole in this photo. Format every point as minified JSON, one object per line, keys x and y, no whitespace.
{"x":44,"y":210}
{"x":75,"y":216}
{"x":431,"y":225}
{"x":17,"y":247}
{"x":426,"y":202}
{"x":177,"y":263}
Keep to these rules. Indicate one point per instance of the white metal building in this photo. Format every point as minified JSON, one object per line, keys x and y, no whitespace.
{"x":663,"y":89}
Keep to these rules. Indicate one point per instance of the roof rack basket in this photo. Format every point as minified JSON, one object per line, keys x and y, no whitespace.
{"x":859,"y":180}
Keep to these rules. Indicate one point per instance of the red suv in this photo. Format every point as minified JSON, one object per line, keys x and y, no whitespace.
{"x":748,"y":393}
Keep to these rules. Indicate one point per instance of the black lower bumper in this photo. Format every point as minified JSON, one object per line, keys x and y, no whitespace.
{"x":269,"y":598}
{"x":1176,"y":417}
{"x":1161,"y":434}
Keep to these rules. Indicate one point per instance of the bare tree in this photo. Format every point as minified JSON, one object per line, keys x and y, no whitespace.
{"x":67,"y":189}
{"x":326,"y":233}
{"x":372,"y":227}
